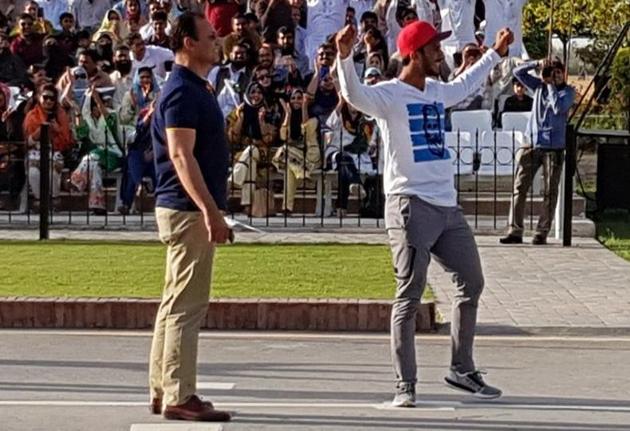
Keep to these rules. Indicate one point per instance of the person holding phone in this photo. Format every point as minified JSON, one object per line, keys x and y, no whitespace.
{"x":321,"y":92}
{"x":546,"y":138}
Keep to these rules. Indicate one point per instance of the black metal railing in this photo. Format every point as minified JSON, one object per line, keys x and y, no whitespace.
{"x":484,"y":163}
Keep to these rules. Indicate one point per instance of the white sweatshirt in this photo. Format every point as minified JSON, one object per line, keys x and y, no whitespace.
{"x":411,"y":121}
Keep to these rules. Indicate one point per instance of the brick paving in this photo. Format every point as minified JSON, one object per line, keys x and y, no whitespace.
{"x":585,"y":287}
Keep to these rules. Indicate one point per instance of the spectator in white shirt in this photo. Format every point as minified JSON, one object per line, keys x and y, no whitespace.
{"x":89,"y":13}
{"x":53,"y":10}
{"x":458,"y":17}
{"x":300,"y":36}
{"x":325,"y":17}
{"x":147,"y":31}
{"x":507,"y":13}
{"x":154,"y":57}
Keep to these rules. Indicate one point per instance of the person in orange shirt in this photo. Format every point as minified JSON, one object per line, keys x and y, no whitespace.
{"x":47,"y":111}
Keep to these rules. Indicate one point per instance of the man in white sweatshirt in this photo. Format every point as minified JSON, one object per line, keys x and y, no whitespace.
{"x":422,"y":217}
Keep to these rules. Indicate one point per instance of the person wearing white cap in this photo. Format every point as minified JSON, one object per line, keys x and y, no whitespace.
{"x":422,"y":217}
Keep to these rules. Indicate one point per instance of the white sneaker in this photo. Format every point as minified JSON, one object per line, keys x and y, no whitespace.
{"x":405,"y":396}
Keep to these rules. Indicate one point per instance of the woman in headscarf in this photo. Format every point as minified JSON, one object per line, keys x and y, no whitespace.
{"x":105,"y":149}
{"x":113,"y":24}
{"x":131,"y":10}
{"x":251,"y":130}
{"x":55,"y":59}
{"x":47,"y":110}
{"x":144,"y":89}
{"x":300,"y":153}
{"x":346,"y":151}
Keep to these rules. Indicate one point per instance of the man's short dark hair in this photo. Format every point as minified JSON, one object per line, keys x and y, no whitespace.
{"x":83,"y":34}
{"x":251,"y":16}
{"x":286,"y":30}
{"x":159,"y":15}
{"x":91,"y":53}
{"x":132,"y":37}
{"x":64,"y":16}
{"x":185,"y":26}
{"x":26,"y":16}
{"x":402,"y":13}
{"x":557,"y":64}
{"x":367,"y":15}
{"x":34,"y":68}
{"x":238,"y":16}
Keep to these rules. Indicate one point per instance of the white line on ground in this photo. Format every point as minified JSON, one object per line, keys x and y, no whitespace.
{"x":288,"y":335}
{"x":215,"y":385}
{"x":421,"y":405}
{"x":176,"y":427}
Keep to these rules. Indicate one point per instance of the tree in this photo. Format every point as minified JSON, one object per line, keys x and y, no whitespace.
{"x":620,"y":84}
{"x":600,"y":19}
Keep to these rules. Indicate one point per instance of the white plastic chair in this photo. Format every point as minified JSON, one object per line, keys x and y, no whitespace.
{"x":506,"y":150}
{"x":471,"y":121}
{"x":515,"y":121}
{"x":462,"y":152}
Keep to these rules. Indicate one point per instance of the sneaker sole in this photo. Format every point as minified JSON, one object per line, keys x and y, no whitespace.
{"x":454,"y":385}
{"x":406,"y":404}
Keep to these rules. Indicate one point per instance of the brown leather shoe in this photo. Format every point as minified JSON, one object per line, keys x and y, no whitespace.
{"x":156,"y":405}
{"x":195,"y":410}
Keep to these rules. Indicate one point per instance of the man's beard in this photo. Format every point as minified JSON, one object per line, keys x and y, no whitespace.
{"x":124,"y":67}
{"x":239,"y":64}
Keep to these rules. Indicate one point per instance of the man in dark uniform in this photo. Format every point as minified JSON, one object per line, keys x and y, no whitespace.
{"x":191,"y":163}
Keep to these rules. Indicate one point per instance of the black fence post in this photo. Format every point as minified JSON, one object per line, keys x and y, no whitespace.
{"x":569,"y":171}
{"x":44,"y":183}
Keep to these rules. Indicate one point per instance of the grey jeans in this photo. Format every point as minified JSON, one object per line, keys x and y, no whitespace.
{"x":418,"y":230}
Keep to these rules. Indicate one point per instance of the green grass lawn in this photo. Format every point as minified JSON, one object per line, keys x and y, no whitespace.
{"x":60,"y":268}
{"x":614,"y":232}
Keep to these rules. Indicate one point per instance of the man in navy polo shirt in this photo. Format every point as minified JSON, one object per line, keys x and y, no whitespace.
{"x":191,"y":160}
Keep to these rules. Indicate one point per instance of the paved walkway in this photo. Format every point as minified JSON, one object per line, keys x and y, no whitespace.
{"x":585,"y":288}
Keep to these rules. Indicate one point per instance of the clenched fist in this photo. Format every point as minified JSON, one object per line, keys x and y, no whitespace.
{"x":345,"y":40}
{"x":503,"y":40}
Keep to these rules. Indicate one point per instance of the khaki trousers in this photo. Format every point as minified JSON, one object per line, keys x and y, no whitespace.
{"x":173,"y":362}
{"x":529,"y":161}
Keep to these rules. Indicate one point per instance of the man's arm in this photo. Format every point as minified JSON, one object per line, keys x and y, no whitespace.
{"x":560,"y":103}
{"x":468,"y":82}
{"x":372,"y":101}
{"x":522,"y":74}
{"x":181,"y":143}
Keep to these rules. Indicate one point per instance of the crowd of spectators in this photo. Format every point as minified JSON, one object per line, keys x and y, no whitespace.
{"x":92,"y":70}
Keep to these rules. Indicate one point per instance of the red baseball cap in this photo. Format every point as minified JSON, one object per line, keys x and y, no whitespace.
{"x":416,"y":35}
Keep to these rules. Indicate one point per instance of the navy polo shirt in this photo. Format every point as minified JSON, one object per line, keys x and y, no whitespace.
{"x":185,"y":102}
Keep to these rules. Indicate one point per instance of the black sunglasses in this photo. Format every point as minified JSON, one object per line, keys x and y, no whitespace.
{"x":49,"y":97}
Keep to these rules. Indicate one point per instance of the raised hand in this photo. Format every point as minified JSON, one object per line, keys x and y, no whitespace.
{"x":503,"y":40}
{"x":345,"y":40}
